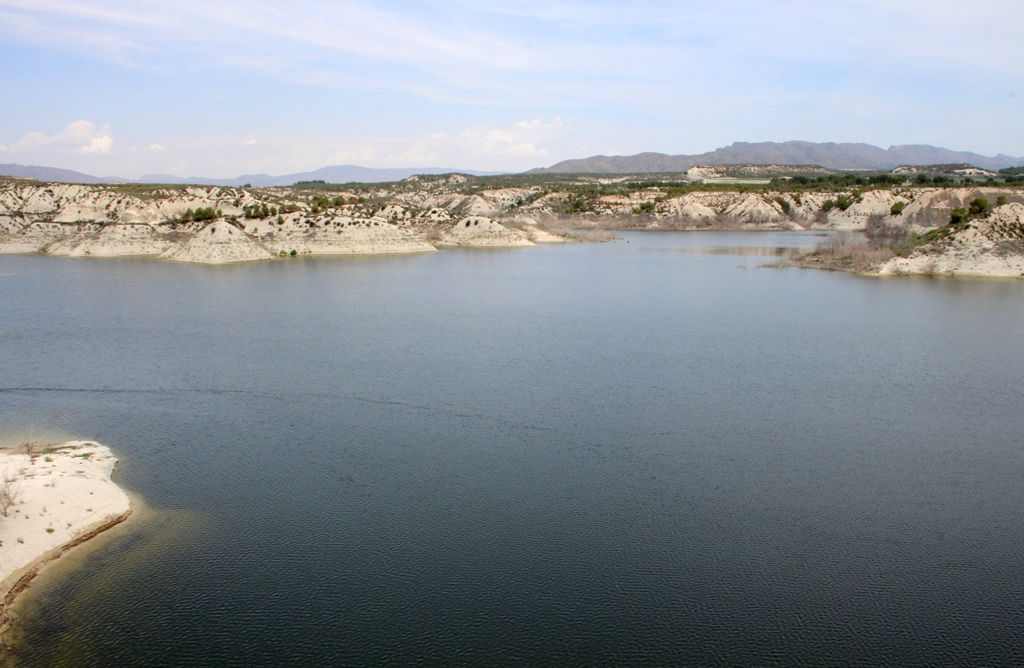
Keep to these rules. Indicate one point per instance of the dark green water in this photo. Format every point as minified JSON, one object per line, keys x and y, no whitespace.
{"x":652,"y":453}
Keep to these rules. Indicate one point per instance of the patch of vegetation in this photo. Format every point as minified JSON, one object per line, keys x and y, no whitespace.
{"x":259,"y":211}
{"x":200,"y":214}
{"x":979,"y":207}
{"x":784,"y":203}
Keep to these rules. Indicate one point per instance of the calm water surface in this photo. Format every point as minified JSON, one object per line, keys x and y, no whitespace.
{"x":651,"y":452}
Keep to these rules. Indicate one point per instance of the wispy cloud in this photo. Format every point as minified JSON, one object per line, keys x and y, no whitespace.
{"x":644,"y":75}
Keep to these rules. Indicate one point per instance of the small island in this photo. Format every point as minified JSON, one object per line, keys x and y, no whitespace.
{"x":52,"y":498}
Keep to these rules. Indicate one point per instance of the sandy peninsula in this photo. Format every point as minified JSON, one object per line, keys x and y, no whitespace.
{"x":52,"y":498}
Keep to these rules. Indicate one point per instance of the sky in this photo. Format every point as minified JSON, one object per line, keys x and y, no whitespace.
{"x":219,"y":88}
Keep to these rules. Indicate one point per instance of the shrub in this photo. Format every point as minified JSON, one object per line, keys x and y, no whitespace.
{"x":294,"y":253}
{"x":784,"y":203}
{"x":256,"y":211}
{"x":828,"y":205}
{"x":897,"y":208}
{"x":980,"y":206}
{"x":884,"y":234}
{"x":844,"y":202}
{"x":957,"y":216}
{"x":10,"y":492}
{"x":202,"y":213}
{"x":1001,"y":200}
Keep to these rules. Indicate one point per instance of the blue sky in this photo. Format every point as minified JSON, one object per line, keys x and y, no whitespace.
{"x":224,"y":87}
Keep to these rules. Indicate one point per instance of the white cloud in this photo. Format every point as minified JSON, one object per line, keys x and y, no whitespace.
{"x":518,"y":145}
{"x":83,"y":136}
{"x":518,"y":140}
{"x":156,"y":147}
{"x":98,"y":145}
{"x":250,"y":142}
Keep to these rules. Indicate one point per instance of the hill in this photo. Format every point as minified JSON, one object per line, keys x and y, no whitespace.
{"x":829,"y":155}
{"x":332,"y":174}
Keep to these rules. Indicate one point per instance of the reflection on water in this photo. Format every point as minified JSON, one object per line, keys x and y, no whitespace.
{"x":626,"y":453}
{"x":729,"y":250}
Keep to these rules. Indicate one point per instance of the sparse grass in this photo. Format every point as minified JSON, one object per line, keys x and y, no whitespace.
{"x":841,"y":252}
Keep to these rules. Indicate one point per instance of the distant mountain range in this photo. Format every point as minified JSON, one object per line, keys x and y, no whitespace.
{"x":333,"y":174}
{"x":830,"y":155}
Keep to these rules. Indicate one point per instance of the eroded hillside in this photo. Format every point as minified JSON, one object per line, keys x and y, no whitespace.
{"x":221,"y":225}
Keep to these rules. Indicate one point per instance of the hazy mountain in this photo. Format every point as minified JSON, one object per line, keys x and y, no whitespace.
{"x":55,"y":174}
{"x":333,"y":174}
{"x":830,"y":155}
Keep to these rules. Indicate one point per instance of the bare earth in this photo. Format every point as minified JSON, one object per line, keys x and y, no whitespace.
{"x":63,"y":495}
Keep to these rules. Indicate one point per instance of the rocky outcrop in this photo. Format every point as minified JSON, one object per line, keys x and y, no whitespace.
{"x":219,"y":243}
{"x":113,"y":241}
{"x":991,"y":247}
{"x":345,"y":236}
{"x":482,"y":231}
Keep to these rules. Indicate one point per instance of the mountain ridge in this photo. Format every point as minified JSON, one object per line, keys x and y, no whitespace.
{"x":830,"y":155}
{"x":330,"y":174}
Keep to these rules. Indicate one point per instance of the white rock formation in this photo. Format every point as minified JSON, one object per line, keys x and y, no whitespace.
{"x":220,"y":242}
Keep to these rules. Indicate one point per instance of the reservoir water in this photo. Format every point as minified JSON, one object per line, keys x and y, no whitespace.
{"x":651,"y":452}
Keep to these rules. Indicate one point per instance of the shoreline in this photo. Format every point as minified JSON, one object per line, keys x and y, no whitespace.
{"x":57,"y":497}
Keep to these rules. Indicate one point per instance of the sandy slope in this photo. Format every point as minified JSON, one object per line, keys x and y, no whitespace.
{"x":218,"y":243}
{"x":989,"y":247}
{"x":482,"y":231}
{"x":65,"y":495}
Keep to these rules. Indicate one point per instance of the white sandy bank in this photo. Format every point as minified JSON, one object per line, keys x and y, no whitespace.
{"x":62,"y":495}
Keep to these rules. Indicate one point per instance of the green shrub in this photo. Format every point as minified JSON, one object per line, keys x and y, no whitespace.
{"x":844,"y":202}
{"x":256,"y":211}
{"x":784,"y":203}
{"x":202,"y":213}
{"x":980,"y":207}
{"x":957,"y":216}
{"x":828,"y":205}
{"x":897,"y":208}
{"x":1001,"y":200}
